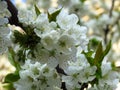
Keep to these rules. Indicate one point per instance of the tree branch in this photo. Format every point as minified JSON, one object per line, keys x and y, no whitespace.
{"x":107,"y":29}
{"x":13,"y":20}
{"x":111,"y":9}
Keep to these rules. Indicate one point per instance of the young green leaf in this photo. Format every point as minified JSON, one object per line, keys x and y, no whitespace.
{"x":12,"y":77}
{"x":107,"y":49}
{"x":37,"y":10}
{"x":98,"y":54}
{"x":52,"y":17}
{"x":11,"y":55}
{"x":8,"y":86}
{"x":11,"y":58}
{"x":89,"y":57}
{"x":82,"y":1}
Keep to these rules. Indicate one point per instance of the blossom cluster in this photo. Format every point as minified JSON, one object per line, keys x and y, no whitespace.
{"x":4,"y":30}
{"x":59,"y":39}
{"x":55,"y":52}
{"x":100,"y":17}
{"x":37,"y":76}
{"x":62,"y":41}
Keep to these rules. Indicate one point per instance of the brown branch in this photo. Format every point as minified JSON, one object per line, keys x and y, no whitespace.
{"x":13,"y":20}
{"x":107,"y":29}
{"x":111,"y":9}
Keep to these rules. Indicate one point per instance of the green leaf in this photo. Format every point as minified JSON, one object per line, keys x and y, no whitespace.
{"x":11,"y":55}
{"x":12,"y":77}
{"x":82,"y":1}
{"x":98,"y":73}
{"x":37,"y":10}
{"x":52,"y":17}
{"x":11,"y":58}
{"x":8,"y":86}
{"x":20,"y":38}
{"x":98,"y":54}
{"x":22,"y":55}
{"x":89,"y":57}
{"x":93,"y":43}
{"x":108,"y":47}
{"x":105,"y":52}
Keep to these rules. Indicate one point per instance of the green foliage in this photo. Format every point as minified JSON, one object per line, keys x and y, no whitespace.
{"x":98,"y":58}
{"x":20,"y":38}
{"x":8,"y":86}
{"x":11,"y":58}
{"x":37,"y":10}
{"x":82,"y":1}
{"x":93,"y":43}
{"x":28,"y":40}
{"x":22,"y":55}
{"x":12,"y":77}
{"x":89,"y":57}
{"x":52,"y":17}
{"x":98,"y":55}
{"x":108,"y":47}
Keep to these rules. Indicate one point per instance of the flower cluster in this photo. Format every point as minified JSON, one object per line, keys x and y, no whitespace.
{"x":78,"y":73}
{"x":37,"y":76}
{"x":109,"y":80}
{"x":60,"y":39}
{"x":4,"y":30}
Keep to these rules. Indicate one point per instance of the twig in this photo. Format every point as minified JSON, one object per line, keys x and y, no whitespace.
{"x":13,"y":20}
{"x":107,"y":29}
{"x":111,"y":9}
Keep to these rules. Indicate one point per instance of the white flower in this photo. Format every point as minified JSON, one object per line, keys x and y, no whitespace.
{"x":87,"y":74}
{"x":42,"y":25}
{"x":3,"y":21}
{"x":52,"y":62}
{"x":23,"y":84}
{"x":65,"y":43}
{"x":64,"y":59}
{"x":72,"y":78}
{"x":111,"y":79}
{"x":66,"y":21}
{"x":44,"y":56}
{"x":80,"y":62}
{"x":36,"y":76}
{"x":27,"y":16}
{"x":79,"y":34}
{"x":98,"y":87}
{"x":103,"y":85}
{"x":3,"y":10}
{"x":105,"y":67}
{"x":71,"y":81}
{"x":46,"y":71}
{"x":4,"y":30}
{"x":78,"y":73}
{"x":4,"y":39}
{"x":41,"y":22}
{"x":49,"y":39}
